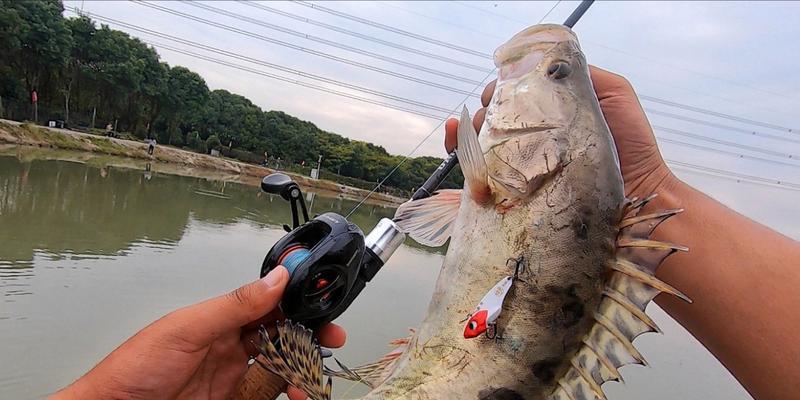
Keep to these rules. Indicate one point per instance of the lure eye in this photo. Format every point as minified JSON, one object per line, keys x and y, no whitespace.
{"x":473,"y":325}
{"x":559,"y":70}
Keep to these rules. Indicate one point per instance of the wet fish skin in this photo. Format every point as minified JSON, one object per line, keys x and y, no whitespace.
{"x":555,"y":195}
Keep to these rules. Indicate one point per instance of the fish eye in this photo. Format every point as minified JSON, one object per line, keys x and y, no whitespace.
{"x":473,"y":325}
{"x":559,"y":70}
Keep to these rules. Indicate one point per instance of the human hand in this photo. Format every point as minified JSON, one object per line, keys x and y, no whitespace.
{"x":643,"y":169}
{"x":197,"y":352}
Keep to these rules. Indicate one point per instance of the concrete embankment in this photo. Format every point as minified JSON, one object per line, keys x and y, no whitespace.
{"x":169,"y":159}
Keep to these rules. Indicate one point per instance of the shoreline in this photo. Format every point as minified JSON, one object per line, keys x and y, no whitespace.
{"x":168,"y":160}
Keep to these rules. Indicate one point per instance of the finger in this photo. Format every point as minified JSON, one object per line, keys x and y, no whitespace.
{"x":488,"y":91}
{"x":243,"y":305}
{"x":450,"y":132}
{"x":295,"y":393}
{"x":608,"y":84}
{"x":477,"y":119}
{"x":332,"y":335}
{"x":267,"y":320}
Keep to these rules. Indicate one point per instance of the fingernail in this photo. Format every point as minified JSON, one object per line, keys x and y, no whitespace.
{"x":274,"y":276}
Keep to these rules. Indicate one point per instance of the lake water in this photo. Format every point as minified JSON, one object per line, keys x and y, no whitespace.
{"x":90,"y":254}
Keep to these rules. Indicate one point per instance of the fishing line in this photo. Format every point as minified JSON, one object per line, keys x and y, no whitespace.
{"x":439,"y":125}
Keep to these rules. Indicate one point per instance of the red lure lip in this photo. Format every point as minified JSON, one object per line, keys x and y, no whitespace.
{"x":476,"y":324}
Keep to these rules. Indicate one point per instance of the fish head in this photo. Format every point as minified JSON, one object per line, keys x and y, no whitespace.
{"x":476,"y":324}
{"x":542,"y":79}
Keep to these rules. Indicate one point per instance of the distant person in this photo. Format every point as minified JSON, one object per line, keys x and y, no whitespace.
{"x":151,"y":146}
{"x":109,"y":130}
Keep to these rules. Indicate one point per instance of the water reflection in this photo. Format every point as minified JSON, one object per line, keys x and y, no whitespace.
{"x":70,"y":211}
{"x":59,"y":207}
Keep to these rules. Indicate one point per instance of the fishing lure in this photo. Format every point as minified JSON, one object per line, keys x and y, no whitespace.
{"x":488,"y":310}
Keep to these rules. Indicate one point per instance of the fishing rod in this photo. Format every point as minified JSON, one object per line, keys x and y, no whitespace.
{"x":441,"y":172}
{"x":329,"y":259}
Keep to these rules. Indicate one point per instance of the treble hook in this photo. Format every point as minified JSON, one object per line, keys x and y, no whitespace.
{"x":519,"y":263}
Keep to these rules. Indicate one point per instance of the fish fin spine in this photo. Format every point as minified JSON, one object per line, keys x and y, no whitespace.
{"x":470,"y":156}
{"x":621,"y":317}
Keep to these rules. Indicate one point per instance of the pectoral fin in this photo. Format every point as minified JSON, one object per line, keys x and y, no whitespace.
{"x":429,"y":221}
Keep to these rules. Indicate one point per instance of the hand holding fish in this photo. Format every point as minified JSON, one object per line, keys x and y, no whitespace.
{"x":643,"y":169}
{"x":199,"y":351}
{"x":742,"y":276}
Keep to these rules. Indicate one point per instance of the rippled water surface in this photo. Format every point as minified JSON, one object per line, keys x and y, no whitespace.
{"x":90,"y":254}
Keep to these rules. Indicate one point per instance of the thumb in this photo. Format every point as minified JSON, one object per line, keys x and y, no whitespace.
{"x":245,"y":304}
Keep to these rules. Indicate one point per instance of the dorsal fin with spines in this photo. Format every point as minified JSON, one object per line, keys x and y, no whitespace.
{"x":620,"y":317}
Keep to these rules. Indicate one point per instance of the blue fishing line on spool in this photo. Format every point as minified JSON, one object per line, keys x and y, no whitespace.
{"x":294,"y":257}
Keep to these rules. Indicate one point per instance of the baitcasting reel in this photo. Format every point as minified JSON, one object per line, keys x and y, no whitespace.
{"x":328,"y":258}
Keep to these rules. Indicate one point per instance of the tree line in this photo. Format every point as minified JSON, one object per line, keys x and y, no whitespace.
{"x":89,"y":76}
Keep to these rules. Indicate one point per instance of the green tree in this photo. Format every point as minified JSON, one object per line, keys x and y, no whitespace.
{"x":213,"y":143}
{"x":79,"y":67}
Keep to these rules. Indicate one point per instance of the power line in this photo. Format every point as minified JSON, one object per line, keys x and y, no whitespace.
{"x":394,"y":30}
{"x":293,"y":81}
{"x":737,"y":176}
{"x":472,"y":30}
{"x":270,"y":65}
{"x":630,"y":54}
{"x":726,"y":143}
{"x":717,"y":114}
{"x":334,"y":44}
{"x":641,"y":96}
{"x":716,"y":125}
{"x":730,"y":153}
{"x":366,"y":37}
{"x":432,"y":116}
{"x":305,"y":50}
{"x":466,"y":4}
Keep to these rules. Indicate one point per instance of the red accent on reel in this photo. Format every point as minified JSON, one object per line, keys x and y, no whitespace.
{"x":321,"y":283}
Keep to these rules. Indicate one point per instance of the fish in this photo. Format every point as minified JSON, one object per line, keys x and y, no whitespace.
{"x":542,"y":187}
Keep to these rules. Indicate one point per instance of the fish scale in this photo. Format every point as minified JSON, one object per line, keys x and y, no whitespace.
{"x":543,"y":186}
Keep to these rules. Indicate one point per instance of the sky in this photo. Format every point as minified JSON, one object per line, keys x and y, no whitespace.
{"x":736,"y":58}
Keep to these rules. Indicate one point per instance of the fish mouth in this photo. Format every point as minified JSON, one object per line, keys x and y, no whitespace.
{"x":500,"y":137}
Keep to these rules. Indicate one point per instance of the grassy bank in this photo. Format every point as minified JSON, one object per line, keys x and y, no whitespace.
{"x":199,"y":164}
